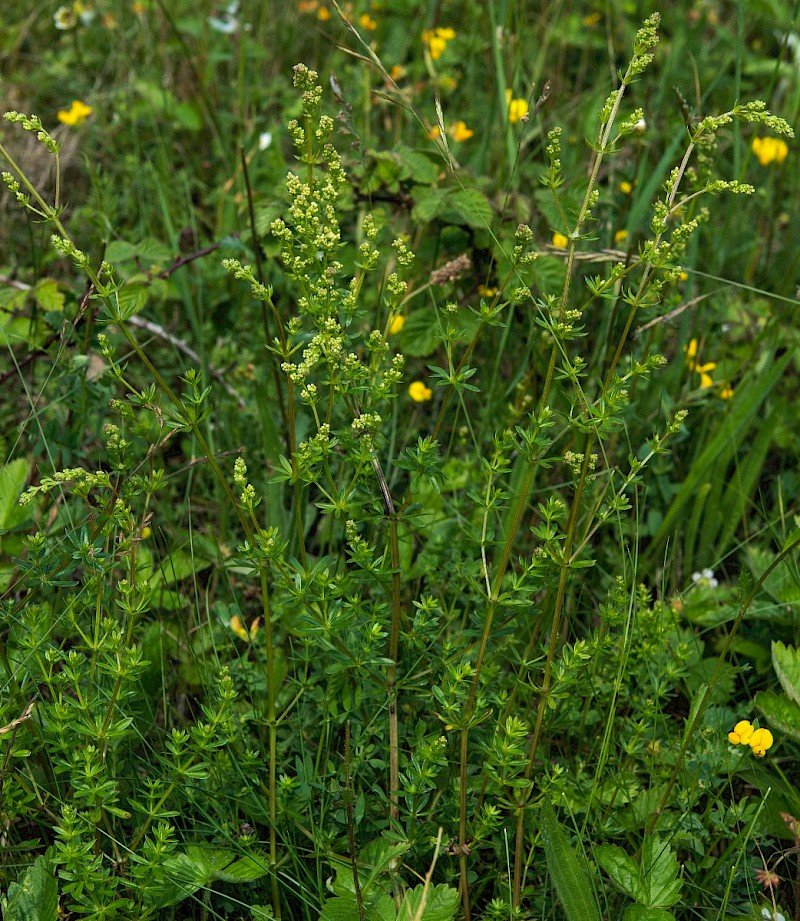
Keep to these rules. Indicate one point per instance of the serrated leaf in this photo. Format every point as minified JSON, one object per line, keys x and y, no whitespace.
{"x":34,"y":897}
{"x":429,"y":203}
{"x":660,"y":872}
{"x":792,"y":538}
{"x":420,"y":167}
{"x":472,"y":207}
{"x":345,"y":908}
{"x":570,"y":880}
{"x":786,"y":662}
{"x":780,"y":712}
{"x":440,"y":905}
{"x":48,"y":296}
{"x":13,"y":477}
{"x":622,"y":870}
{"x":642,"y":913}
{"x":421,"y":335}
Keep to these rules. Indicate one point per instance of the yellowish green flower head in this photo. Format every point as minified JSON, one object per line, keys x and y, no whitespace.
{"x":419,"y":393}
{"x":770,"y":150}
{"x":77,"y":113}
{"x":759,"y":740}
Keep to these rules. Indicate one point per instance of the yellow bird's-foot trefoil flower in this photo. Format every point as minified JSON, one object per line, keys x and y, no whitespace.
{"x":419,"y":393}
{"x":77,"y":113}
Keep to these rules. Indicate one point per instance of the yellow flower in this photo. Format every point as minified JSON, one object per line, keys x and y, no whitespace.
{"x":683,"y":276}
{"x":486,"y":291}
{"x":146,"y":532}
{"x":397,"y":324}
{"x":433,"y":134}
{"x":77,"y":113}
{"x":460,"y":132}
{"x":235,"y":624}
{"x":770,"y":150}
{"x":692,"y":360}
{"x":138,"y":8}
{"x":307,"y":6}
{"x":397,"y":72}
{"x":625,"y":187}
{"x":560,"y":241}
{"x":760,"y":741}
{"x":419,"y":393}
{"x":436,"y":40}
{"x":592,"y":19}
{"x":517,"y":108}
{"x":620,"y":235}
{"x":323,"y":14}
{"x":742,"y":733}
{"x":368,"y":22}
{"x":726,"y":393}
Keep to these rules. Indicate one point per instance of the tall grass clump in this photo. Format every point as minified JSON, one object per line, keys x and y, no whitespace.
{"x":376,"y":627}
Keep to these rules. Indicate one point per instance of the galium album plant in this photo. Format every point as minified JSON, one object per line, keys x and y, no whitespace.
{"x":421,"y":613}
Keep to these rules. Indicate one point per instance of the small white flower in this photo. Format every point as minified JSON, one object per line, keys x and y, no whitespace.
{"x":640,"y":127}
{"x":264,"y":140}
{"x":705,"y":578}
{"x":766,"y":914}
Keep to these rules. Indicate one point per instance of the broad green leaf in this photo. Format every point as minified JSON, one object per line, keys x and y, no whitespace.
{"x":622,"y":870}
{"x":786,"y":662}
{"x":345,"y":908}
{"x":429,"y":203}
{"x":48,"y":296}
{"x":441,"y":904}
{"x":571,"y":883}
{"x":419,"y":166}
{"x":642,"y":913}
{"x":243,"y":870}
{"x":791,"y":539}
{"x":421,"y":334}
{"x":181,"y":878}
{"x":660,"y":873}
{"x":780,"y":712}
{"x":472,"y":207}
{"x":34,"y":897}
{"x":13,"y":477}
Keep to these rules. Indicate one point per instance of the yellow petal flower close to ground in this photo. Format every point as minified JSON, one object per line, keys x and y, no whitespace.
{"x":419,"y":393}
{"x":517,"y":108}
{"x":742,"y":732}
{"x":760,"y":741}
{"x":77,"y":113}
{"x":693,"y":361}
{"x":770,"y":150}
{"x":436,"y":40}
{"x":460,"y":132}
